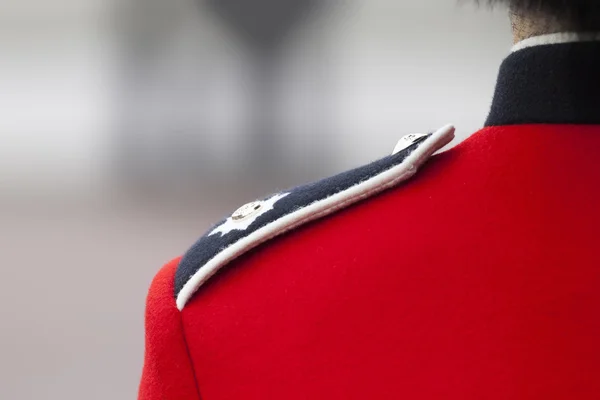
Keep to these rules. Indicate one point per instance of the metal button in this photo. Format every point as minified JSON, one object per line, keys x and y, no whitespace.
{"x":407,"y":141}
{"x":246,"y":210}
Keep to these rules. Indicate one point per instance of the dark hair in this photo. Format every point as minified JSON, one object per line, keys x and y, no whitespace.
{"x":583,"y":14}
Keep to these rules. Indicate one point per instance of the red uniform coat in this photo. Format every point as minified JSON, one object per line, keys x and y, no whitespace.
{"x":479,"y":278}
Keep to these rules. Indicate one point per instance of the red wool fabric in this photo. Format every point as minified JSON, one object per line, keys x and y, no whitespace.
{"x":477,"y":279}
{"x":168,"y":372}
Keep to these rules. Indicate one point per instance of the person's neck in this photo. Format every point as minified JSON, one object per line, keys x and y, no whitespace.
{"x":531,"y":24}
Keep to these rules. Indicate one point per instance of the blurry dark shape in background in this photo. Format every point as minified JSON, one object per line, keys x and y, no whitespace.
{"x":174,"y":118}
{"x":263,"y":25}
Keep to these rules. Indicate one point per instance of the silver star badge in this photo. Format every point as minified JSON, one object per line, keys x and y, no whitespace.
{"x":244,"y":216}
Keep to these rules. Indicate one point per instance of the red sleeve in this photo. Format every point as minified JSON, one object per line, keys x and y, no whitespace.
{"x":168,"y":372}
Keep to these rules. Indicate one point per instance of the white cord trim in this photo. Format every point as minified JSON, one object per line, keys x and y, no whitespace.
{"x":556,"y":38}
{"x":318,"y":209}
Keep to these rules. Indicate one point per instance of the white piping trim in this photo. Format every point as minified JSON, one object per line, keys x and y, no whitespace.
{"x":318,"y":209}
{"x":556,"y":38}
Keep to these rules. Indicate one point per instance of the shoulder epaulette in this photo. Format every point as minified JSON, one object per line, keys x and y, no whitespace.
{"x":262,"y":220}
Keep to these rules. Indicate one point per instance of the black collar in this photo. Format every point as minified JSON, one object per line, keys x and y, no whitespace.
{"x":556,"y":83}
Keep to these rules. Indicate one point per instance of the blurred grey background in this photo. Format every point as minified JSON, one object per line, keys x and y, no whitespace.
{"x":127,"y":127}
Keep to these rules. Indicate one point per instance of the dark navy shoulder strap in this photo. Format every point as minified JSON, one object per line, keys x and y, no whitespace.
{"x":262,"y":220}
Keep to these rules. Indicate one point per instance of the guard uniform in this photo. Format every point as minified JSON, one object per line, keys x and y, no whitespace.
{"x":478,"y":278}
